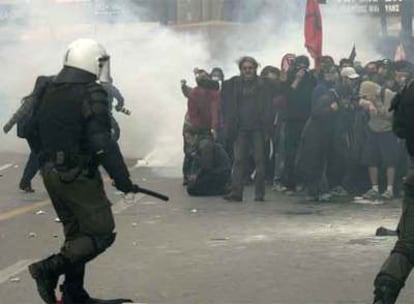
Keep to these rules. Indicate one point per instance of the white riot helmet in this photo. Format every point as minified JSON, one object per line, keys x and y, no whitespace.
{"x":90,"y":56}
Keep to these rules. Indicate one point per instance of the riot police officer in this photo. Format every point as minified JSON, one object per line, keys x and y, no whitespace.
{"x":114,"y":93}
{"x":396,"y":269}
{"x":71,"y":134}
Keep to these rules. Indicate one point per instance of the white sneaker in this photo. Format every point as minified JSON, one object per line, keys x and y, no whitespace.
{"x":371,"y":194}
{"x":326,"y":197}
{"x":388,"y":195}
{"x":278,"y":187}
{"x":339,"y":191}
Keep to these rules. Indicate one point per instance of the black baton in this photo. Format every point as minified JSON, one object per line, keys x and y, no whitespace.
{"x":153,"y":193}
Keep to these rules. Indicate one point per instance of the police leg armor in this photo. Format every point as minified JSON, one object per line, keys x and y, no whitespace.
{"x":88,"y":223}
{"x":115,"y":129}
{"x":398,"y":266}
{"x":30,"y":171}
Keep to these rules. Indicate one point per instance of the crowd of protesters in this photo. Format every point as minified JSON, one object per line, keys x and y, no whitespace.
{"x":324,"y":133}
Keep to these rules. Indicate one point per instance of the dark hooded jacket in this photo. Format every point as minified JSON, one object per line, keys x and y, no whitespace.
{"x":299,"y":104}
{"x":318,"y":133}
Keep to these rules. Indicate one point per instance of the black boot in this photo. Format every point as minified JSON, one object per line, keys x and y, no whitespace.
{"x":387,"y":289}
{"x":67,"y":299}
{"x":73,"y":291}
{"x":26,"y":188}
{"x":46,"y":274}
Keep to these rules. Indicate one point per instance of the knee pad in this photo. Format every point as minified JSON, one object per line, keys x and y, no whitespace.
{"x":104,"y":242}
{"x":387,"y":288}
{"x":85,"y":248}
{"x":402,"y":249}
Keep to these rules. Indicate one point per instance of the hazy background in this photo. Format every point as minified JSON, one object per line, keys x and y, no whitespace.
{"x":149,"y":60}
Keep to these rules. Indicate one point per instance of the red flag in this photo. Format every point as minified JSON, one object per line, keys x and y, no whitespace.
{"x":313,"y":30}
{"x":400,"y":53}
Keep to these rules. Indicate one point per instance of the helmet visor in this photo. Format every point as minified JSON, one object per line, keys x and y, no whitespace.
{"x":104,"y":69}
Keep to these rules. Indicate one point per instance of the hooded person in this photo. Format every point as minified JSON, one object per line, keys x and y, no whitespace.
{"x":275,"y":150}
{"x":381,"y":146}
{"x":204,"y":105}
{"x":210,"y":167}
{"x":351,"y":129}
{"x":318,"y":134}
{"x":217,"y":75}
{"x":203,"y":114}
{"x":299,"y":106}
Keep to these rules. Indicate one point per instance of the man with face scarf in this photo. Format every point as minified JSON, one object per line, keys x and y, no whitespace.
{"x":248,"y":121}
{"x":217,"y":75}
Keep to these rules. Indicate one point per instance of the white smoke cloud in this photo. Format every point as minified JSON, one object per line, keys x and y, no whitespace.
{"x":148,"y":61}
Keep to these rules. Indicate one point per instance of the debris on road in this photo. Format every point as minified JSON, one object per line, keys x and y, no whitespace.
{"x":134,"y":224}
{"x":129,"y":198}
{"x":142,"y":163}
{"x":194,"y":211}
{"x":220,"y":239}
{"x":40,"y":212}
{"x":57,"y":220}
{"x":15,"y":280}
{"x":32,"y":235}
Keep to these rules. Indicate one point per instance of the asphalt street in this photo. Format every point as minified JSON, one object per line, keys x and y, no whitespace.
{"x":204,"y":250}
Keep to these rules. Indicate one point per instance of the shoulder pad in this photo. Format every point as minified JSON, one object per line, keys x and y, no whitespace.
{"x":42,"y":82}
{"x":97,"y":93}
{"x":98,"y":102}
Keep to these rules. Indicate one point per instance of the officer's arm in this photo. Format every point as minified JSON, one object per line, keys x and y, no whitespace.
{"x":98,"y":135}
{"x":119,"y":98}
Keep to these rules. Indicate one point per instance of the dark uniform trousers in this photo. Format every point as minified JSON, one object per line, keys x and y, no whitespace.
{"x":30,"y":171}
{"x":85,"y":213}
{"x":399,"y":264}
{"x":115,"y":130}
{"x":246,"y":142}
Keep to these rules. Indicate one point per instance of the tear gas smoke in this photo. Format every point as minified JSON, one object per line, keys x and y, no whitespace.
{"x":148,"y":61}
